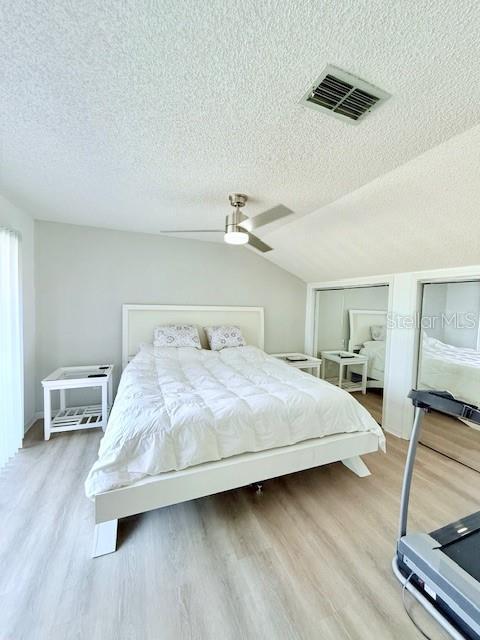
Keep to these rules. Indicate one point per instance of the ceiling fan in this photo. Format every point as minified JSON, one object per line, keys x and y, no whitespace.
{"x":238,"y":226}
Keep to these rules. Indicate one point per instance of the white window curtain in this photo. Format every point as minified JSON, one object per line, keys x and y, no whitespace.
{"x":11,"y":358}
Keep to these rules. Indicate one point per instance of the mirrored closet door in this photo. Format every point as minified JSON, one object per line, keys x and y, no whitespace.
{"x":449,"y":360}
{"x":350,"y":334}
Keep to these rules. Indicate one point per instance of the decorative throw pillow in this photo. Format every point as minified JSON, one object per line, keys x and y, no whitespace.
{"x":176,"y":335}
{"x":223,"y":336}
{"x":378,"y":331}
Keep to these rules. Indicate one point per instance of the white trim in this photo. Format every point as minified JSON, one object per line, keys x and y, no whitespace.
{"x":209,"y":315}
{"x":213,"y":477}
{"x":29,"y":424}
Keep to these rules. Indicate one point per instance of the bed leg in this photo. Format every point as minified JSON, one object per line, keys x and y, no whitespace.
{"x":105,"y":538}
{"x":357,"y":465}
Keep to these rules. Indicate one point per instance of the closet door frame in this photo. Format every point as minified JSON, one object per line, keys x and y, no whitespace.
{"x":402,"y":345}
{"x":352,"y":283}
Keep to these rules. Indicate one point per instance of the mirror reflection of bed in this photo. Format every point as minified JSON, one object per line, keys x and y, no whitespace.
{"x":353,"y":320}
{"x":449,"y":359}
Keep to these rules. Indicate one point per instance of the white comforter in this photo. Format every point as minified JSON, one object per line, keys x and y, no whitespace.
{"x":176,"y":408}
{"x":375,"y":352}
{"x":449,"y":368}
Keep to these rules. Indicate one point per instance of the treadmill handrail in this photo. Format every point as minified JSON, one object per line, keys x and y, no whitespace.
{"x":408,"y":473}
{"x":424,"y":400}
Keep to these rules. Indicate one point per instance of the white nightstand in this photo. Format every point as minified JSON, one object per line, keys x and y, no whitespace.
{"x":348,"y":358}
{"x":85,"y":417}
{"x":309,"y":362}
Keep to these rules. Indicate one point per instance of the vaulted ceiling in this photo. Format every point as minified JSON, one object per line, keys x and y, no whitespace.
{"x":145,"y":115}
{"x":423,"y":215}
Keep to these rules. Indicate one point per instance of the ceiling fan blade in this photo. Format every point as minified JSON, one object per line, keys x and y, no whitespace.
{"x":256,"y":243}
{"x":192,"y":231}
{"x":270,"y":215}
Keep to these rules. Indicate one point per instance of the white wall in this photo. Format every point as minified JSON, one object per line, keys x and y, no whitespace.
{"x":84,"y":274}
{"x":14,"y":218}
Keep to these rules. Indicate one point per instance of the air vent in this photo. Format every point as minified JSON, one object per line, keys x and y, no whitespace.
{"x":343,"y":95}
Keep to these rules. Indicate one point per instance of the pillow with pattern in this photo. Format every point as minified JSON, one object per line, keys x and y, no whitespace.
{"x":176,"y":335}
{"x":223,"y":336}
{"x":378,"y":331}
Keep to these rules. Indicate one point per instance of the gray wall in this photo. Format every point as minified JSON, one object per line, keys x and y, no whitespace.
{"x":450,"y":312}
{"x":332,"y":307}
{"x":462,"y":307}
{"x":434,"y":304}
{"x":14,"y":218}
{"x":84,"y":274}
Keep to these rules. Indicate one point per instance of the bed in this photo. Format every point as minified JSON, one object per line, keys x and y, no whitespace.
{"x":360,"y":341}
{"x":187,"y":422}
{"x":454,"y":369}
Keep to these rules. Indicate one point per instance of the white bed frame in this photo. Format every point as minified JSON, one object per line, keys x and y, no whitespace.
{"x":360,"y":321}
{"x":213,"y":477}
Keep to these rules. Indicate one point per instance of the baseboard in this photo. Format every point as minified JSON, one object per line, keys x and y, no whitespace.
{"x":29,"y":424}
{"x":394,"y":432}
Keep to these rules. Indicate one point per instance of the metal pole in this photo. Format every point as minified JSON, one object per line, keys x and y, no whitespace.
{"x":408,"y":473}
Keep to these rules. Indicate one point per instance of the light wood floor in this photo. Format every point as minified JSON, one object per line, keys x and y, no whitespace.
{"x":442,"y":433}
{"x":453,"y":438}
{"x":310,"y":559}
{"x":373,"y":401}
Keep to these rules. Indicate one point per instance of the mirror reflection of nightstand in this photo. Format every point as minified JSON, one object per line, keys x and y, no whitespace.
{"x":343,"y":359}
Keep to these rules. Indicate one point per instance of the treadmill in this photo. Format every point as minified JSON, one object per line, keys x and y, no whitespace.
{"x":441,"y":569}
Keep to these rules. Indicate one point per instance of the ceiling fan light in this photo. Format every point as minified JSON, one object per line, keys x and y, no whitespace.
{"x":236,"y":237}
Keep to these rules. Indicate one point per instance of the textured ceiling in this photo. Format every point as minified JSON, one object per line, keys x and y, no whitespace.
{"x":423,"y":215}
{"x":145,"y":115}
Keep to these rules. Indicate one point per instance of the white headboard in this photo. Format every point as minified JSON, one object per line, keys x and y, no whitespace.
{"x":139,"y":320}
{"x":360,"y":322}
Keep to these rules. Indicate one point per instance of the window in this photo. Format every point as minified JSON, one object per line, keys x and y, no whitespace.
{"x":11,"y":365}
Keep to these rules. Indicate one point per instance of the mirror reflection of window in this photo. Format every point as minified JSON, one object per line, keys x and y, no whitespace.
{"x":449,"y":360}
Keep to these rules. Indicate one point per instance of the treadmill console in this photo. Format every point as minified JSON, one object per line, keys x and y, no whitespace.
{"x":444,"y":402}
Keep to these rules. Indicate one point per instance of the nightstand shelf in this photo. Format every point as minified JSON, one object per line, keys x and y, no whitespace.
{"x":77,"y":417}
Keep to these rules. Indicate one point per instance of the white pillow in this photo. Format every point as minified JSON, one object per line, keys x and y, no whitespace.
{"x":223,"y":336}
{"x":176,"y":335}
{"x":378,"y":331}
